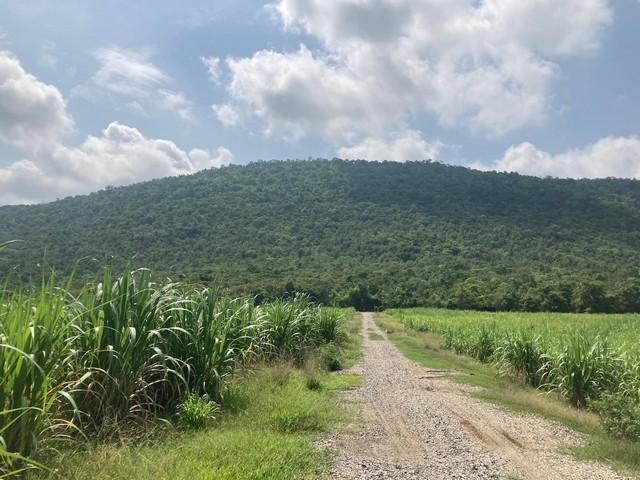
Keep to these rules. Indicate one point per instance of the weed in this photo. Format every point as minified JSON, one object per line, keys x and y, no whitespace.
{"x":197,"y":412}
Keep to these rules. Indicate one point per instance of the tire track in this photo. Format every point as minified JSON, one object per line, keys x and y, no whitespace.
{"x":418,"y":424}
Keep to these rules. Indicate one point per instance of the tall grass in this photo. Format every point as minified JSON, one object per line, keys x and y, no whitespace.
{"x":32,"y":353}
{"x":584,"y":368}
{"x":583,"y":357}
{"x":127,"y":350}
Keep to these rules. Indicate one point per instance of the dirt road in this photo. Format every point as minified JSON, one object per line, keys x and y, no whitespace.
{"x":418,"y":424}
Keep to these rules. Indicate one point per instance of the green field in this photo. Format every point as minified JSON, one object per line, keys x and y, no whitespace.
{"x":622,"y":330}
{"x":121,"y":357}
{"x":591,"y":360}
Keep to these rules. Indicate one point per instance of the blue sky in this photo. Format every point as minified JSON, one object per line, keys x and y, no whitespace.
{"x":111,"y":93}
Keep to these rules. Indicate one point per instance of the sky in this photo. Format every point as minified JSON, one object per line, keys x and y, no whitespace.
{"x":96,"y":94}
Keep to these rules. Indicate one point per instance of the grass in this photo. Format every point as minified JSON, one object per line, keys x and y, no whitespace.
{"x":583,"y":357}
{"x":427,"y":349}
{"x":266,"y":432}
{"x":129,"y":352}
{"x":265,"y":429}
{"x":375,"y":336}
{"x":351,"y":347}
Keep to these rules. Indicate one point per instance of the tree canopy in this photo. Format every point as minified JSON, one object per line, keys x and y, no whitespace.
{"x":376,"y":234}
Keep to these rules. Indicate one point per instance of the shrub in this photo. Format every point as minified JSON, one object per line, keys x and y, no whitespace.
{"x":334,"y":364}
{"x":483,"y":344}
{"x":197,"y":412}
{"x":620,"y":415}
{"x":328,"y":325}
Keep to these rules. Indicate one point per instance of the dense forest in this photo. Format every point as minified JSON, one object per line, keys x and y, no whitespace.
{"x":352,"y":233}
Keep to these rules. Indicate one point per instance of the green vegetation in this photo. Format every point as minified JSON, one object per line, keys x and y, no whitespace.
{"x":364,"y":234}
{"x":513,"y":393}
{"x":197,"y":412}
{"x":582,"y":357}
{"x":264,"y":432}
{"x":113,"y":359}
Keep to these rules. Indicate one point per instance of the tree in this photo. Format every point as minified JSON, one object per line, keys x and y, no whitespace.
{"x":627,"y":298}
{"x":589,"y":296}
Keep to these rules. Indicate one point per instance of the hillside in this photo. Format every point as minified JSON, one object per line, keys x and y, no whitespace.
{"x":407,"y":234}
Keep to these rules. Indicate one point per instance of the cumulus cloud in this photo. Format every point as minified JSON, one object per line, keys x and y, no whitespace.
{"x":131,"y":74}
{"x":487,"y":66}
{"x":608,"y":157}
{"x":201,"y":159}
{"x":120,"y":156}
{"x":32,"y":113}
{"x":301,"y":94}
{"x":33,"y":118}
{"x":226,"y":114}
{"x":399,"y":148}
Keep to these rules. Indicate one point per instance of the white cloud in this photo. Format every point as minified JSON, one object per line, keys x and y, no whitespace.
{"x":227,"y":115}
{"x":23,"y":182}
{"x":131,"y":74}
{"x":201,"y":159}
{"x":487,"y":66}
{"x":399,"y":148}
{"x":213,"y":68}
{"x":549,"y":27}
{"x":32,"y":113}
{"x":33,"y":118}
{"x":301,"y":94}
{"x":127,"y":72}
{"x":176,"y":102}
{"x":120,"y":156}
{"x":608,"y":157}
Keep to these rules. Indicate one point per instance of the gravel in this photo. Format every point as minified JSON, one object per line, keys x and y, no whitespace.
{"x":415,"y":423}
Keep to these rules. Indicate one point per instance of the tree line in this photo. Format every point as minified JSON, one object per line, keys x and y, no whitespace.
{"x":371,"y":235}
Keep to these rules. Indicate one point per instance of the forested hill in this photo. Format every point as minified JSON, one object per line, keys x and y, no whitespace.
{"x":359,"y":232}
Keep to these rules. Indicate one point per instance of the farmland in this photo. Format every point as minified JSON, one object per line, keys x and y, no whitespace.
{"x":126,"y":353}
{"x":593,"y":361}
{"x":158,"y":380}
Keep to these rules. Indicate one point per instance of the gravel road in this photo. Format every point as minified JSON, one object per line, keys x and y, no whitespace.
{"x":415,"y":423}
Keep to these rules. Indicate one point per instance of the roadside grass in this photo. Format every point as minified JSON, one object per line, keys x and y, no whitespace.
{"x":351,"y":347}
{"x":266,"y":429}
{"x":374,"y":336}
{"x":425,"y":349}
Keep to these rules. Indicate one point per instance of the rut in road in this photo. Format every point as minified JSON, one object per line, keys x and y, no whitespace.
{"x":418,"y":424}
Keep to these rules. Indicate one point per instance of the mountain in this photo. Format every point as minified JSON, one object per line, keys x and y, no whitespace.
{"x":364,"y":233}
